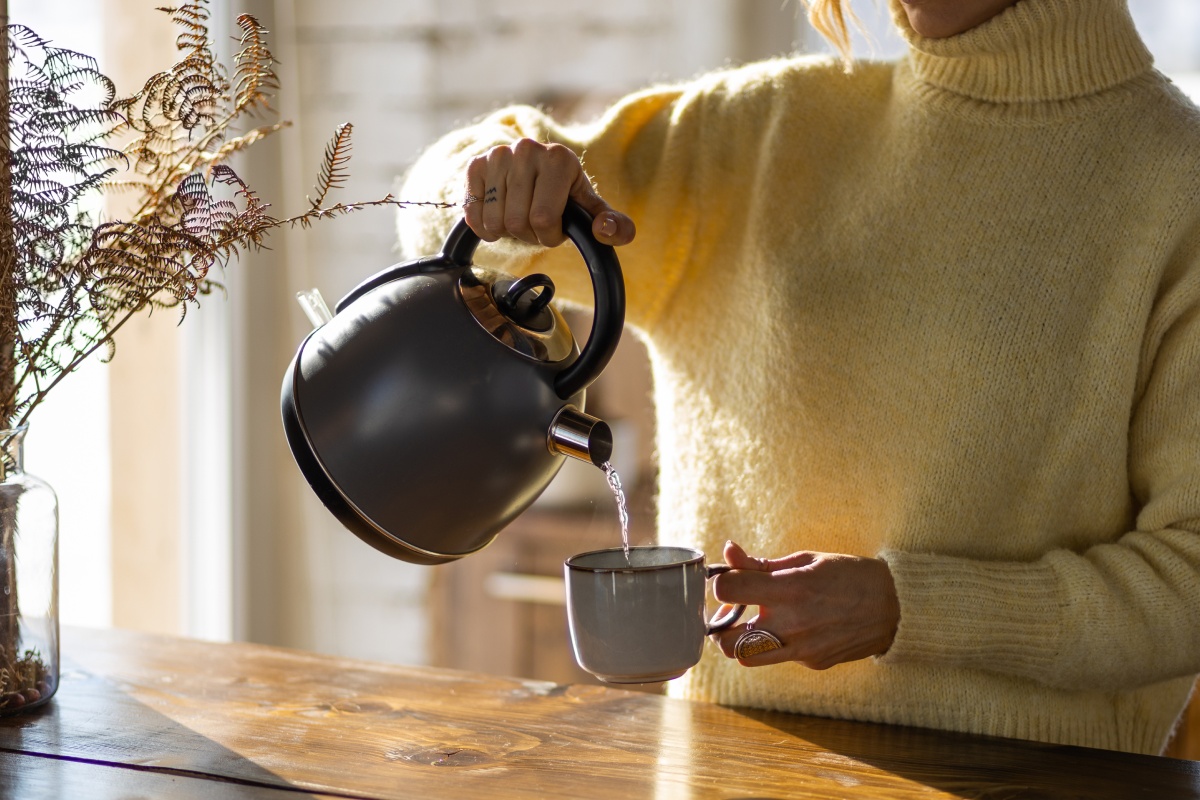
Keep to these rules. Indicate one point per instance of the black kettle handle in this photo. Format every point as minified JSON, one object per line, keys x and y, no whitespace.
{"x":608,"y":287}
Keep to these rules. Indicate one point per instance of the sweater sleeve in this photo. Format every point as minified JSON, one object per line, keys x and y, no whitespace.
{"x":667,"y":156}
{"x":634,"y":160}
{"x":1115,"y":615}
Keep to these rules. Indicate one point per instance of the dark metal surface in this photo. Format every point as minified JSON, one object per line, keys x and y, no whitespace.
{"x":431,"y":430}
{"x":548,"y":338}
{"x":425,"y":431}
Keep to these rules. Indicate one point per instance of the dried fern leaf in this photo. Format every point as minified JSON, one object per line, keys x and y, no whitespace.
{"x":333,"y":172}
{"x":73,"y":281}
{"x":254,"y":77}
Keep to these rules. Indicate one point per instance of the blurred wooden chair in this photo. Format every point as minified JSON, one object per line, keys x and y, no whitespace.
{"x":1186,"y":741}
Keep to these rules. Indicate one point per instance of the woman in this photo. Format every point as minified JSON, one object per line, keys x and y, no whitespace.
{"x":926,"y":339}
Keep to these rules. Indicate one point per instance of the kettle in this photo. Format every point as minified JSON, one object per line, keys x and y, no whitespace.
{"x":442,"y":398}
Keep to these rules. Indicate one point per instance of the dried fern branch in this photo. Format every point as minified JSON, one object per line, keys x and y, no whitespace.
{"x":73,"y":281}
{"x":69,"y":282}
{"x":333,"y":167}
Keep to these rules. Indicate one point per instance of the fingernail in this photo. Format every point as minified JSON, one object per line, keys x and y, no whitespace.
{"x":608,"y":225}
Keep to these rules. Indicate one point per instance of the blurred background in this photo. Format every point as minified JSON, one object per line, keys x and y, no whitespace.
{"x":181,"y":509}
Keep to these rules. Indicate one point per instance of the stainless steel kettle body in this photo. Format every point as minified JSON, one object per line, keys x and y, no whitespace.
{"x":442,"y":398}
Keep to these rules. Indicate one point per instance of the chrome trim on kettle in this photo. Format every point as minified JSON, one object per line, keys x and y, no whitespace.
{"x":551,"y":345}
{"x":579,"y":435}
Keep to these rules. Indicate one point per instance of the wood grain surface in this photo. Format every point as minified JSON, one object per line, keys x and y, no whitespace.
{"x":25,"y":776}
{"x":147,"y":716}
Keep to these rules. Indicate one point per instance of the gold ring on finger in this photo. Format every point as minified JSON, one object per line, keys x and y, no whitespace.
{"x":753,"y":642}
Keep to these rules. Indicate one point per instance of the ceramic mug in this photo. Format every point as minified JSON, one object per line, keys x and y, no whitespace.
{"x":641,"y":620}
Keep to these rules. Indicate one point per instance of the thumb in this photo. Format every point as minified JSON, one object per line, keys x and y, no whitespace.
{"x":737,"y":558}
{"x":609,"y":226}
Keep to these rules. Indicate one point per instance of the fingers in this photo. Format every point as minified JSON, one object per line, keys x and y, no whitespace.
{"x":760,"y":581}
{"x":521,"y":190}
{"x":554,"y":172}
{"x":737,"y":558}
{"x":825,"y":608}
{"x":609,"y":226}
{"x":816,"y":648}
{"x":473,"y":202}
{"x":729,"y":590}
{"x":728,"y":641}
{"x":754,"y":588}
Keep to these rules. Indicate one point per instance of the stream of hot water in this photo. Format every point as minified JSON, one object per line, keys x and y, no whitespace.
{"x":614,"y":485}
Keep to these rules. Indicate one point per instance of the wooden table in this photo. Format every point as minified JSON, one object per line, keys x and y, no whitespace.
{"x":153,"y":717}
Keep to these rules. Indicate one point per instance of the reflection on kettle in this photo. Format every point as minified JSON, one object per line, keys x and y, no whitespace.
{"x":442,"y":398}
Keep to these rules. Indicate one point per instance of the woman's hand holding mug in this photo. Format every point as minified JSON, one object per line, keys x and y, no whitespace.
{"x":822,"y":608}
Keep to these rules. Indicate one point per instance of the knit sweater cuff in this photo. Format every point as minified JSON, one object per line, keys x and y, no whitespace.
{"x":992,"y":616}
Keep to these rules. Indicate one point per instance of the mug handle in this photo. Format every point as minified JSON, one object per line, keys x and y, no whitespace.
{"x":718,"y":625}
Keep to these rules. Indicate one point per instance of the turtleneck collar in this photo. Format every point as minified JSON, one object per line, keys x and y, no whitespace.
{"x":1036,"y":50}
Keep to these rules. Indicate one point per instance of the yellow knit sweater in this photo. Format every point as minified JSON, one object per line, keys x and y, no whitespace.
{"x":946,"y":311}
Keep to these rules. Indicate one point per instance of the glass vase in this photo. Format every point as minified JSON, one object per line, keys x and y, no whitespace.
{"x":28,"y":581}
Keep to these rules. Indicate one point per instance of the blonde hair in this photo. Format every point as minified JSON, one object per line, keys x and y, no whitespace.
{"x":829,"y":17}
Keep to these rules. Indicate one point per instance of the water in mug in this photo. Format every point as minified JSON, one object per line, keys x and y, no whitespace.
{"x":614,"y":484}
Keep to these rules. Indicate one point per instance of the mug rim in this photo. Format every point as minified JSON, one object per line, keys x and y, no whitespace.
{"x":697,"y":556}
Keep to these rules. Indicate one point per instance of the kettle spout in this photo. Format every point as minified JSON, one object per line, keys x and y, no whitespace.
{"x":579,"y":435}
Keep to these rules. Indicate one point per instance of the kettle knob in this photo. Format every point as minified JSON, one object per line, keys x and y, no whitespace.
{"x":608,"y":289}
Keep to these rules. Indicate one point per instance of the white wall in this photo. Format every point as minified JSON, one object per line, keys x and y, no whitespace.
{"x":1171,"y":29}
{"x":68,"y":442}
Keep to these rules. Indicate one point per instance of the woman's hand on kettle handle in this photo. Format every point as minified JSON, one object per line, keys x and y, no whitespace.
{"x":521,"y":190}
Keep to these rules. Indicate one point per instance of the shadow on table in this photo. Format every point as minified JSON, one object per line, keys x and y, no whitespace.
{"x":94,"y":734}
{"x":972,"y":766}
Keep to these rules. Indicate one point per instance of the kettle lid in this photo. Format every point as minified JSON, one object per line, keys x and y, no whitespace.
{"x":516,"y":315}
